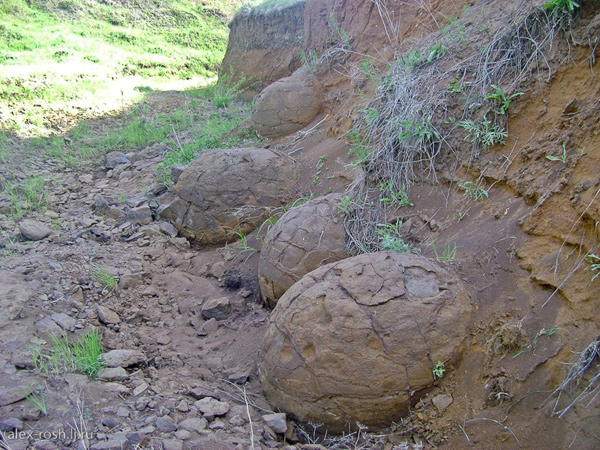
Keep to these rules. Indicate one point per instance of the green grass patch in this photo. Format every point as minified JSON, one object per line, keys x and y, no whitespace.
{"x":219,"y":131}
{"x":58,"y":53}
{"x":65,"y":356}
{"x":29,"y":195}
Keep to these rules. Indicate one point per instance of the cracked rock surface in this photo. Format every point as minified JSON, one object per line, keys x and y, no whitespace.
{"x":356,"y":340}
{"x":224,"y":191}
{"x":303,"y":239}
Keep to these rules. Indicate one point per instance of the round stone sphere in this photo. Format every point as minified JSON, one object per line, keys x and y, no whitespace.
{"x":357,"y":340}
{"x":224,"y":192}
{"x":303,"y":239}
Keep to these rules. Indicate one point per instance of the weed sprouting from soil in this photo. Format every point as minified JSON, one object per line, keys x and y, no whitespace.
{"x":81,"y":356}
{"x":107,"y":282}
{"x":412,"y":127}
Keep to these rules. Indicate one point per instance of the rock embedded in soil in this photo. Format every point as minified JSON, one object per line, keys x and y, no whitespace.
{"x":356,"y":340}
{"x":193,"y":424}
{"x":113,"y":159}
{"x":287,"y":105}
{"x":216,"y":308}
{"x":165,"y":424}
{"x":305,"y":238}
{"x":123,"y":358}
{"x":34,"y":230}
{"x":276,"y":421}
{"x":112,"y":374}
{"x":210,"y":407}
{"x":107,"y":316}
{"x":12,"y":424}
{"x":227,"y":192}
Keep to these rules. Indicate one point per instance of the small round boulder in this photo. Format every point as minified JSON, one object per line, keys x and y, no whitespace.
{"x":286,"y":106}
{"x":357,"y":340}
{"x":303,"y":239}
{"x":224,"y":192}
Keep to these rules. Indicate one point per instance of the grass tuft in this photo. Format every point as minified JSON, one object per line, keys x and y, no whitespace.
{"x":81,"y":356}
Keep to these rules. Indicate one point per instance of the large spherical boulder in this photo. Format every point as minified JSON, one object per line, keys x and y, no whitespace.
{"x":286,"y":106}
{"x":303,"y":239}
{"x":225,"y":191}
{"x":357,"y":340}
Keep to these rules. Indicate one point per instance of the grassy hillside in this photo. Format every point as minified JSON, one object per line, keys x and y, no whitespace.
{"x":65,"y":59}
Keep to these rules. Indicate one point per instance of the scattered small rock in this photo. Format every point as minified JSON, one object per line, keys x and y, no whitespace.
{"x":216,"y":425}
{"x":172,"y":444}
{"x":442,"y":401}
{"x":107,"y":316}
{"x":216,"y":308}
{"x":183,"y":435}
{"x":208,"y":327}
{"x":130,"y":280}
{"x":193,"y":424}
{"x":211,"y":407}
{"x":168,"y":229}
{"x":113,"y":159}
{"x":122,"y":412}
{"x":123,"y":358}
{"x":12,"y":424}
{"x":165,"y":424}
{"x":65,"y":321}
{"x":112,"y":374}
{"x":276,"y":421}
{"x":140,"y":389}
{"x":13,"y":395}
{"x":34,"y":230}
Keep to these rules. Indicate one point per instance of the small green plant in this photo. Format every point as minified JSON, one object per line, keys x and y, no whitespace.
{"x":423,"y":130}
{"x":500,"y":97}
{"x":594,"y":261}
{"x":483,"y":134}
{"x":30,"y":195}
{"x":563,"y":158}
{"x":81,"y":356}
{"x":439,"y":369}
{"x":37,"y":399}
{"x":390,"y":196}
{"x":345,"y":204}
{"x":561,"y":6}
{"x":552,"y":331}
{"x":309,"y":60}
{"x":108,"y":282}
{"x":448,"y":253}
{"x":359,"y":148}
{"x":265,"y":227}
{"x":367,"y":67}
{"x":242,"y":244}
{"x":299,"y":201}
{"x":436,"y":51}
{"x":391,"y":239}
{"x":474,"y":191}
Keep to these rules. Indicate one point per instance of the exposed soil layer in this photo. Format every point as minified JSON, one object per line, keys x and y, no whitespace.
{"x":520,"y":253}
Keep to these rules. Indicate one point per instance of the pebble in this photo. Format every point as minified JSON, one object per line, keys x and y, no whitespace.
{"x":123,"y":358}
{"x":112,"y":374}
{"x":65,"y":321}
{"x":276,"y":421}
{"x":11,"y":424}
{"x":193,"y":424}
{"x":216,"y":308}
{"x":34,"y":230}
{"x":442,"y":401}
{"x":216,"y":425}
{"x":107,"y":316}
{"x":211,"y":407}
{"x":165,"y":424}
{"x":140,"y":389}
{"x":172,"y":444}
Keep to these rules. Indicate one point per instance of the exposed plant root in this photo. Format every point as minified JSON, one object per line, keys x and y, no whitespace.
{"x":587,"y":364}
